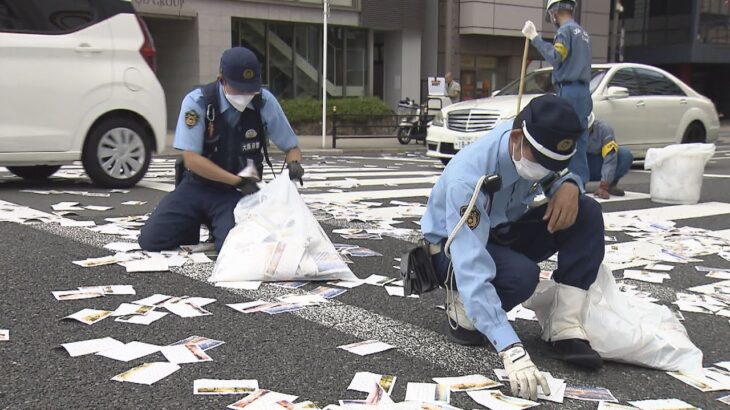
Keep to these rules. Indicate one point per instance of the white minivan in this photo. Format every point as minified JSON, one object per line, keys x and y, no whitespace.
{"x":78,"y":83}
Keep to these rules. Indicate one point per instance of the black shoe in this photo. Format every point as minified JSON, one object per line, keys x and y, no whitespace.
{"x":577,"y":352}
{"x":614,"y":190}
{"x":462,"y":336}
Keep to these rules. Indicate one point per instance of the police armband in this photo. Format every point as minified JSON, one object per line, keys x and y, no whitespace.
{"x":608,"y":148}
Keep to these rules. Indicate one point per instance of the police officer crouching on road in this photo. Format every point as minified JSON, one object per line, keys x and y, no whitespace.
{"x":495,"y":256}
{"x":221,"y":129}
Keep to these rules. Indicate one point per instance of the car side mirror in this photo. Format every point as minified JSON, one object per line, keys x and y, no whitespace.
{"x":617,"y":93}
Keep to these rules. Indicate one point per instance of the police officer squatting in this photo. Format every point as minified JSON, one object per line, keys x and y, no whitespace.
{"x":222,"y":131}
{"x":486,"y":230}
{"x":607,"y":161}
{"x":570,"y":56}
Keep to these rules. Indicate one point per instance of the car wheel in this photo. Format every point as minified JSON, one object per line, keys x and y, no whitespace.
{"x":445,"y":161}
{"x":117,"y":153}
{"x":35,"y":172}
{"x":695,"y":133}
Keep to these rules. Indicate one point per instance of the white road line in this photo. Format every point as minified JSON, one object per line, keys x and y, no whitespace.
{"x":678,"y":212}
{"x":370,"y":182}
{"x":349,"y":197}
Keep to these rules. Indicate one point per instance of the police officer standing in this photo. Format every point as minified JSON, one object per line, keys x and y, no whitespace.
{"x":221,"y":129}
{"x":570,"y":56}
{"x":607,"y":161}
{"x":494,"y":256}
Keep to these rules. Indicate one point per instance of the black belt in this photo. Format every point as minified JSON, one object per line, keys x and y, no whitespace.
{"x":208,"y":182}
{"x":564,"y":83}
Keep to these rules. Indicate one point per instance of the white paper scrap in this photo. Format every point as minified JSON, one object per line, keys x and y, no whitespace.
{"x":145,"y":319}
{"x":428,"y":392}
{"x":129,"y":351}
{"x":85,"y":347}
{"x":363,"y":382}
{"x":147,"y":373}
{"x":189,"y":353}
{"x":495,"y":400}
{"x":367,"y":347}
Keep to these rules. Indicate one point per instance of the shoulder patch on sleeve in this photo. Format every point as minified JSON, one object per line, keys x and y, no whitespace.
{"x":474,"y":216}
{"x":191,"y":118}
{"x":562,"y":50}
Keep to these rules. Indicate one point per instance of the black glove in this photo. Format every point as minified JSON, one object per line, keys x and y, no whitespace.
{"x":296,"y":172}
{"x":248,"y":186}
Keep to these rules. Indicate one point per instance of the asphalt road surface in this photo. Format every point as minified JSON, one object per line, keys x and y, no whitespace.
{"x":293,"y":353}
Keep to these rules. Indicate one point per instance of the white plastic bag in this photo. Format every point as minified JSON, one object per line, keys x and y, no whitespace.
{"x":677,"y":172}
{"x":624,"y":328}
{"x":276,"y":238}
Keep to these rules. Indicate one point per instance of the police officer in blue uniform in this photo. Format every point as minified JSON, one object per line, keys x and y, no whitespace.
{"x":494,"y":257}
{"x":607,"y":161}
{"x":222,"y":128}
{"x":570,"y":56}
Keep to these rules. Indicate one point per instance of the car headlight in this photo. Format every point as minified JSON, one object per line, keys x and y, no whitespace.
{"x":438,"y":119}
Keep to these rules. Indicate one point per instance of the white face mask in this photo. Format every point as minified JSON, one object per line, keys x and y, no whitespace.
{"x":529,"y":170}
{"x":239,"y":102}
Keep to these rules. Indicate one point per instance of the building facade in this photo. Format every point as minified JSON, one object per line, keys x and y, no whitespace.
{"x":384,"y":48}
{"x":689,"y":38}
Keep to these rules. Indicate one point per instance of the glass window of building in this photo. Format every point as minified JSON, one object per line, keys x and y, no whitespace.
{"x":714,"y":22}
{"x":280,"y":37}
{"x":291,"y":57}
{"x":356,"y":62}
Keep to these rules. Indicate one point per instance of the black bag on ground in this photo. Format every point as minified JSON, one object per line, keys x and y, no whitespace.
{"x":417,"y":271}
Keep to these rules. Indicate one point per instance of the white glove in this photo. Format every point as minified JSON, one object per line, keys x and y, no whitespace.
{"x":523,"y":374}
{"x":530,"y":31}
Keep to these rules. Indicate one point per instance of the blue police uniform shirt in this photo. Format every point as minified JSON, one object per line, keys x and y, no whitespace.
{"x":569,"y":54}
{"x":474,"y":268}
{"x":275,"y":122}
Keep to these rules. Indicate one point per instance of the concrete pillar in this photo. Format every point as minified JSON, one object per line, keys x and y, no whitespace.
{"x":214,"y":37}
{"x":402,"y":66}
{"x":429,"y":49}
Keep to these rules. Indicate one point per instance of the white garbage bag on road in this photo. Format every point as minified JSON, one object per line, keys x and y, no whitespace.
{"x":677,"y":172}
{"x":276,"y":238}
{"x":624,"y":328}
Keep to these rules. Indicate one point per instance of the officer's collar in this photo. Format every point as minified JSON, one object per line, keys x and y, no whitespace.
{"x":223,"y":101}
{"x":505,"y":167}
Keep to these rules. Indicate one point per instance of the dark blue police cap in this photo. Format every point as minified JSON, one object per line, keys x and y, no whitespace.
{"x":241,"y":69}
{"x":551,"y":126}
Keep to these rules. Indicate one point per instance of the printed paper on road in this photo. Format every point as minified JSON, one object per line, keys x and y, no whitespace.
{"x":145,"y":319}
{"x":85,"y":347}
{"x":147,"y":373}
{"x":89,"y":316}
{"x":589,"y":393}
{"x":77,"y":294}
{"x":213,"y":386}
{"x":204,"y":343}
{"x":428,"y":392}
{"x":4,"y":335}
{"x":188,"y":353}
{"x":261,"y":400}
{"x":367,"y":347}
{"x":467,"y":383}
{"x":363,"y":382}
{"x":664,"y":404}
{"x":130,"y":351}
{"x":495,"y":400}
